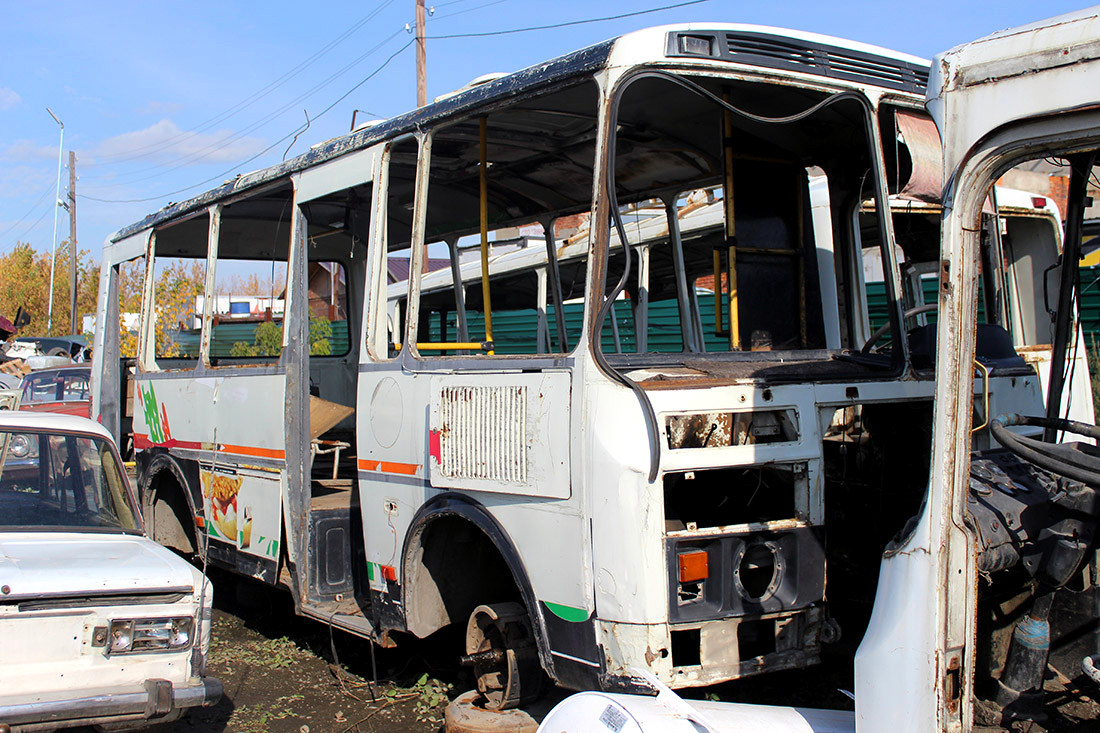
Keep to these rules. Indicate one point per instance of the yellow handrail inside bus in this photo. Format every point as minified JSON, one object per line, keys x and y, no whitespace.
{"x":451,"y":345}
{"x":731,"y":230}
{"x":717,"y":292}
{"x":484,"y":196}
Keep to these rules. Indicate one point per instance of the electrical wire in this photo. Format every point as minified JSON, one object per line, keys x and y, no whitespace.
{"x":217,"y":145}
{"x":32,"y":226}
{"x":205,"y":152}
{"x":275,"y":144}
{"x":30,"y":211}
{"x":468,"y":10}
{"x":137,"y":153}
{"x":566,"y":24}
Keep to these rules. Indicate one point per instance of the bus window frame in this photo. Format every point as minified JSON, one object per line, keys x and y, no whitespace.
{"x":411,"y":316}
{"x":147,"y":359}
{"x":210,"y":296}
{"x":374,"y":329}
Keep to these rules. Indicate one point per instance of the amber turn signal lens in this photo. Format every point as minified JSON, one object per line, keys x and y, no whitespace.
{"x":693,"y":566}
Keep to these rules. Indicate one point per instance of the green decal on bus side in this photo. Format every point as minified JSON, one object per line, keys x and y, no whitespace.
{"x":567,"y":613}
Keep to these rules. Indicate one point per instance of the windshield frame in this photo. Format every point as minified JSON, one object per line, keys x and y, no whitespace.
{"x":890,"y":368}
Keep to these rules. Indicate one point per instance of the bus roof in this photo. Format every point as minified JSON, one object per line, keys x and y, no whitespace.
{"x":1015,"y":74}
{"x":847,"y":63}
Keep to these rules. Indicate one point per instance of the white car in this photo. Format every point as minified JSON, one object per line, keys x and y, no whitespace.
{"x":99,"y":625}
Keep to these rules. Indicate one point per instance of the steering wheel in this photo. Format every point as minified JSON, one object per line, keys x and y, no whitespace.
{"x":1064,"y":460}
{"x":884,"y":328}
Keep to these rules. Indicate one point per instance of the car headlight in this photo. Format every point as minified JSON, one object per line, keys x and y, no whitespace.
{"x":150,"y":635}
{"x":20,"y":446}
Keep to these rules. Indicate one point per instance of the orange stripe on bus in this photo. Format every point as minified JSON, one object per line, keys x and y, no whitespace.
{"x":247,"y":450}
{"x":242,"y":450}
{"x":405,"y":469}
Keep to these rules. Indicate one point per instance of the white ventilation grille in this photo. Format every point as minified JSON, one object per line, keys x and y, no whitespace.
{"x":483,"y":433}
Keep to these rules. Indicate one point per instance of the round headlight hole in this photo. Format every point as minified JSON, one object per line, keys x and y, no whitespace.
{"x":756,"y":570}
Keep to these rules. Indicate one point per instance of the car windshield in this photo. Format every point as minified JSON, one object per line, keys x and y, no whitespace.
{"x":62,"y":480}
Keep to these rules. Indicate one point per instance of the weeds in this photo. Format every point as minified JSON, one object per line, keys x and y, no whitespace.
{"x":258,"y":718}
{"x":269,"y":653}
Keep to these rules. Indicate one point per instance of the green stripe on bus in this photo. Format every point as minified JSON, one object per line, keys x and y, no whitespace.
{"x":567,"y":613}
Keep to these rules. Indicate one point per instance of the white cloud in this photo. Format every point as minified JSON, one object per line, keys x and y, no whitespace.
{"x":164,"y":140}
{"x":82,"y":98}
{"x":22,"y":150}
{"x":8,"y":98}
{"x":22,"y":180}
{"x":159,"y":108}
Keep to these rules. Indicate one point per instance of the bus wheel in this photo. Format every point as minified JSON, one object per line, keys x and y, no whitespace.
{"x":501,"y":648}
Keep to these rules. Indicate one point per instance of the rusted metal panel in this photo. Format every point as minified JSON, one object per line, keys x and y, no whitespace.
{"x":721,"y":429}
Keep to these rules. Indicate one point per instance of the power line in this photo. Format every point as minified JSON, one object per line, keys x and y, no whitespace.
{"x":30,"y":211}
{"x":357,"y":86}
{"x":29,"y":229}
{"x":217,"y":145}
{"x":247,"y":101}
{"x":283,"y":139}
{"x":467,"y":10}
{"x":566,"y":24}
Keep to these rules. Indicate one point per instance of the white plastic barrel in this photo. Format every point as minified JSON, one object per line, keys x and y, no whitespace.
{"x":587,"y":712}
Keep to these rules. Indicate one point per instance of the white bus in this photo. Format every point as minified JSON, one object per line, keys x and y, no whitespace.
{"x":708,"y":500}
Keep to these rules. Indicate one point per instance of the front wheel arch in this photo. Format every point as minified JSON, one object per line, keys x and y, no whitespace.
{"x":424,"y":608}
{"x":167,"y":505}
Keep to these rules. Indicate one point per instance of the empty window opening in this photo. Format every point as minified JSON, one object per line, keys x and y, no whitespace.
{"x":733,"y":496}
{"x":507,"y":202}
{"x":248,"y":303}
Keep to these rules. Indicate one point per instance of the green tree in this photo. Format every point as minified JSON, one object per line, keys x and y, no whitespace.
{"x":178,"y":284}
{"x":269,"y":339}
{"x":25,"y":283}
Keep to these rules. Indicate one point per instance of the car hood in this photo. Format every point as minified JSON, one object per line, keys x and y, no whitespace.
{"x":37,"y":564}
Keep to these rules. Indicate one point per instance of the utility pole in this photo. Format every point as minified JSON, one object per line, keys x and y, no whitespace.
{"x":74,"y":328}
{"x":56,"y":203}
{"x":421,"y":58}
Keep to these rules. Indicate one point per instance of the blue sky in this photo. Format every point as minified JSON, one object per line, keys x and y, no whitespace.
{"x":162,"y":101}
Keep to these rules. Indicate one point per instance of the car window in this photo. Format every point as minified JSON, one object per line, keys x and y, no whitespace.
{"x":62,"y":481}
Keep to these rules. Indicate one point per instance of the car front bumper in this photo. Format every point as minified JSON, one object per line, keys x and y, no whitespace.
{"x":156,"y":699}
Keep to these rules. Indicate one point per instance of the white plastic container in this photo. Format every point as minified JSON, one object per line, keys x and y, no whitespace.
{"x":667,"y":712}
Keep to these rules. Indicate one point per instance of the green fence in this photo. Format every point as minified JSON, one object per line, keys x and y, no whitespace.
{"x":228,"y":333}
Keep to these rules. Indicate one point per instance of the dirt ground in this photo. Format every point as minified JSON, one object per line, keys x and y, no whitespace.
{"x":287,"y":674}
